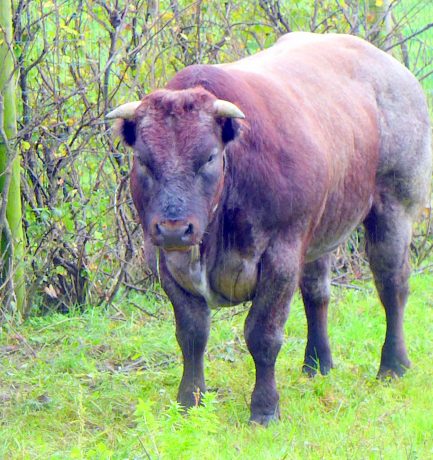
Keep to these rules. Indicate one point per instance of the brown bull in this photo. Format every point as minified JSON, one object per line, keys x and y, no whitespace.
{"x":247,"y":175}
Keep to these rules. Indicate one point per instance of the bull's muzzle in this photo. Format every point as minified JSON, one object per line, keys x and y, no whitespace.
{"x":174,"y":235}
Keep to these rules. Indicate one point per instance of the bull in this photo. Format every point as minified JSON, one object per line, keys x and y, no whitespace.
{"x":247,"y":175}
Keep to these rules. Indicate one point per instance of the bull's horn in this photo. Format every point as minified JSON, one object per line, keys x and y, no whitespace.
{"x":227,"y":109}
{"x":124,"y":111}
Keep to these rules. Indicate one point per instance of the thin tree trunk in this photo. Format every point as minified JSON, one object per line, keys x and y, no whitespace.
{"x":12,"y":239}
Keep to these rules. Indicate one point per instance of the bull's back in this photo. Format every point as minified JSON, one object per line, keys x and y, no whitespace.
{"x":366,"y":113}
{"x":339,"y":79}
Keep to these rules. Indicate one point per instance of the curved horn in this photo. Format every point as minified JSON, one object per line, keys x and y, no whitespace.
{"x":124,"y":111}
{"x":227,"y":109}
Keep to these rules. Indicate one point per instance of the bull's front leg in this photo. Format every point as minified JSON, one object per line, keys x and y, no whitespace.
{"x":264,"y":326}
{"x":192,"y":331}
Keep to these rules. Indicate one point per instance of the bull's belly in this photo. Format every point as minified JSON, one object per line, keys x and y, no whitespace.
{"x":319,"y":248}
{"x":337,"y":228}
{"x":232,"y":279}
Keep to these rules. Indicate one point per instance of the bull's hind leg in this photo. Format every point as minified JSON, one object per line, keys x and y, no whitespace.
{"x":315,"y":288}
{"x":388,"y":233}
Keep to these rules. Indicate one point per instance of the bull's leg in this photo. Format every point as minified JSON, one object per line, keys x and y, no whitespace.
{"x":315,"y":288}
{"x":264,"y":327}
{"x":192,"y":330}
{"x":388,"y":233}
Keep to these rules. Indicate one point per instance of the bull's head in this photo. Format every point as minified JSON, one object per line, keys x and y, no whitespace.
{"x":177,"y":177}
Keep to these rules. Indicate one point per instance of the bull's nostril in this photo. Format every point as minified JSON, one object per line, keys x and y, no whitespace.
{"x":173,"y":233}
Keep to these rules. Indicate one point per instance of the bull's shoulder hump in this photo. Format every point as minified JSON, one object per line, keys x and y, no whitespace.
{"x":295,"y":40}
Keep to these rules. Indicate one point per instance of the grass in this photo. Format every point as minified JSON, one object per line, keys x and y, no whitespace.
{"x":102,"y":385}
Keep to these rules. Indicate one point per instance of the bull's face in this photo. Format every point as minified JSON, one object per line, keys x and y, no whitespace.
{"x":177,"y":178}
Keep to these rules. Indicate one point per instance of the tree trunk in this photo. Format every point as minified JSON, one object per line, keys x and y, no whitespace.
{"x":12,"y":281}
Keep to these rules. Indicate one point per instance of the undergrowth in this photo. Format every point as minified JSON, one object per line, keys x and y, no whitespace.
{"x":102,"y":385}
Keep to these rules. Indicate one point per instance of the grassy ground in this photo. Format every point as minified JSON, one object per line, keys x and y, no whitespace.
{"x":101,"y":385}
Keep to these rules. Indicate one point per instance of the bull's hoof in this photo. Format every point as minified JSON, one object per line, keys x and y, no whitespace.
{"x":188,"y":399}
{"x":393,"y":364}
{"x":265,"y":419}
{"x":394,"y":370}
{"x":312,"y":365}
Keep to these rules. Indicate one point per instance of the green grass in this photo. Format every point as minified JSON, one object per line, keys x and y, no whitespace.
{"x":102,"y":385}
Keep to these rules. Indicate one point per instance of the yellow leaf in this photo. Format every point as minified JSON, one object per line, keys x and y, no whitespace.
{"x":51,"y":291}
{"x":379,"y":3}
{"x":167,"y":16}
{"x":69,"y":30}
{"x":426,"y":211}
{"x":25,"y":145}
{"x":61,"y":151}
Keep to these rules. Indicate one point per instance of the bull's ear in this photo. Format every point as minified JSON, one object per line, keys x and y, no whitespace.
{"x":228,"y":113}
{"x":230,"y":129}
{"x":126,"y":128}
{"x":125,"y":125}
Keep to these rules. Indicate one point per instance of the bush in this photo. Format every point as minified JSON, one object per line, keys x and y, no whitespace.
{"x":77,"y":60}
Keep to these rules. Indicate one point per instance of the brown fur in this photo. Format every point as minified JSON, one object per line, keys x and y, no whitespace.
{"x":336,"y":133}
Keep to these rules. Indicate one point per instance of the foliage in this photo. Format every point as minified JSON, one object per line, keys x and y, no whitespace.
{"x":101,"y":385}
{"x":77,"y":60}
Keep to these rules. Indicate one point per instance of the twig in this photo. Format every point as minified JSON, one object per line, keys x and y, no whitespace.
{"x":404,"y":40}
{"x":66,"y":320}
{"x":130,"y":302}
{"x":348,"y":286}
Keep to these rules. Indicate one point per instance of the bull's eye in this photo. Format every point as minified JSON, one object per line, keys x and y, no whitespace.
{"x":206,"y":165}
